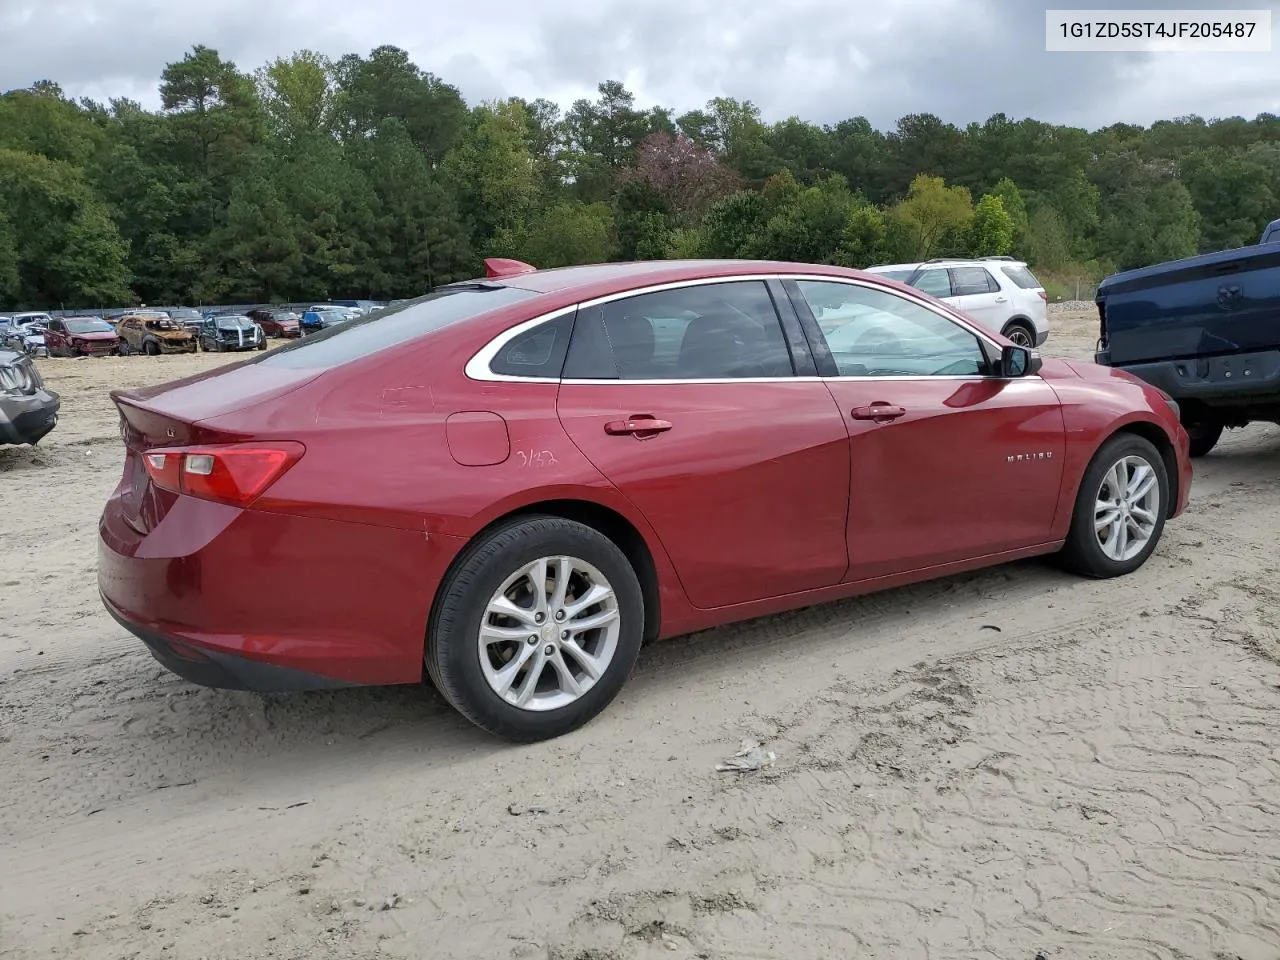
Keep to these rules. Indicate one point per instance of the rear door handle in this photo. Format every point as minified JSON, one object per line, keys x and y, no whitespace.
{"x":636,"y":425}
{"x":878,"y":412}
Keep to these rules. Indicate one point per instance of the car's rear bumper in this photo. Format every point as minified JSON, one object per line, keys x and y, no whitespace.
{"x":267,"y":601}
{"x":226,"y":671}
{"x":28,"y":419}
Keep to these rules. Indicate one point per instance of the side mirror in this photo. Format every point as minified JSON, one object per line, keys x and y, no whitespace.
{"x":1019,"y":362}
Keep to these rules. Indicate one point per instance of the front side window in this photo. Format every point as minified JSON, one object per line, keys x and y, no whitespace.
{"x":875,"y":333}
{"x":934,"y":282}
{"x":711,"y":331}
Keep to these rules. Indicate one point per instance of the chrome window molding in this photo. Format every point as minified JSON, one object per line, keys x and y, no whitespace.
{"x":477,"y":368}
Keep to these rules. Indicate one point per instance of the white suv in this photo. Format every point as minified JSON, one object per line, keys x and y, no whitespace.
{"x":998,"y":292}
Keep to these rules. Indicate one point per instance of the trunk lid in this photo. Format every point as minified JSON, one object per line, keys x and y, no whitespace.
{"x":176,"y":414}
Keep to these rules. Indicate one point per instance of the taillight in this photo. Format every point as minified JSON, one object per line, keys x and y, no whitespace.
{"x":235,"y":473}
{"x":1043,"y":296}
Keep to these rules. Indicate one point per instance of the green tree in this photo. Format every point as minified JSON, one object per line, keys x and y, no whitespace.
{"x":68,"y":249}
{"x":990,"y":231}
{"x":935,"y":210}
{"x":297,"y":94}
{"x":567,"y":233}
{"x":9,"y":280}
{"x":1016,"y":207}
{"x":1047,"y":242}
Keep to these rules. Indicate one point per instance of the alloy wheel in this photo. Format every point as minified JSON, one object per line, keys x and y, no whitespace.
{"x":549,"y":633}
{"x":1126,"y":508}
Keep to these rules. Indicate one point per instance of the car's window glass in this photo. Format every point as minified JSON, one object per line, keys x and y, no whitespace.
{"x":711,"y":331}
{"x":55,"y":326}
{"x":875,"y":333}
{"x":346,"y":342}
{"x":1023,"y":277}
{"x":87,"y":326}
{"x":899,"y":275}
{"x":539,"y":352}
{"x":935,"y":282}
{"x":968,"y":281}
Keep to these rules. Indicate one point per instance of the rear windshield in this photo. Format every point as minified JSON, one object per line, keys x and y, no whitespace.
{"x":391,"y":326}
{"x":1022,"y":277}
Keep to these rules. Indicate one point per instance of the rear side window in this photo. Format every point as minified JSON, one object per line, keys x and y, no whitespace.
{"x":934,"y":282}
{"x":355,"y":339}
{"x":711,"y":331}
{"x":968,"y":281}
{"x":1022,"y":277}
{"x":539,"y":352}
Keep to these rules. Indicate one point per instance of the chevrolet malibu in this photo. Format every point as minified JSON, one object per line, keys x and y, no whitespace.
{"x":511,"y":483}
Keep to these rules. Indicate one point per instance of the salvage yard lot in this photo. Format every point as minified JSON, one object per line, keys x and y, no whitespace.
{"x":1002,"y":764}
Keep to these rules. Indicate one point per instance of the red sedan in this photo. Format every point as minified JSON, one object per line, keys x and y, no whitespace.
{"x":517,"y":480}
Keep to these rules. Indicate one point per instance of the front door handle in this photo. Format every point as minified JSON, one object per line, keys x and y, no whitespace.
{"x":880,"y":412}
{"x":637,"y":425}
{"x":1001,"y":299}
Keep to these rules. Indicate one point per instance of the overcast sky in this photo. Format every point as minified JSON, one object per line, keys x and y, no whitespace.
{"x":822,"y":60}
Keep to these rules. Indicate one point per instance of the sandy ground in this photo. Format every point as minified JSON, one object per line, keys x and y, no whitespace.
{"x":1009,"y":764}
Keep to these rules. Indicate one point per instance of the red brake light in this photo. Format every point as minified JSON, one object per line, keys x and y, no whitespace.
{"x":1043,"y":296}
{"x":501,"y":267}
{"x":231,"y":473}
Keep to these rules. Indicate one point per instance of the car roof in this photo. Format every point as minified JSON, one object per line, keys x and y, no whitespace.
{"x":603,"y":279}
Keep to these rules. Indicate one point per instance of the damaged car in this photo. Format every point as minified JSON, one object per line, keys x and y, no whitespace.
{"x":154,"y":334}
{"x":27,"y":410}
{"x":231,"y":331}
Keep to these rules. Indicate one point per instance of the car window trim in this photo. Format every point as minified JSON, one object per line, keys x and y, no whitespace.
{"x":477,"y":368}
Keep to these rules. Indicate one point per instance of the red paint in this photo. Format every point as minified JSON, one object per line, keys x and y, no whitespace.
{"x":758,"y":497}
{"x":497,"y":267}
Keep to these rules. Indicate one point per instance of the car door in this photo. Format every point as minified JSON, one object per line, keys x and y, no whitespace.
{"x":55,"y":338}
{"x":978,"y":295}
{"x":948,"y":461}
{"x":686,"y":399}
{"x":935,"y":281}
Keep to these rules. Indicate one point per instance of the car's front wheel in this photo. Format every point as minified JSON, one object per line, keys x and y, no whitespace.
{"x":536,"y":629}
{"x":1120,"y":510}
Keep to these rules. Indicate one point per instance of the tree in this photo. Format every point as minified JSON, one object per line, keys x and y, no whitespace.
{"x":688,"y":178}
{"x":493,"y":169}
{"x":297,"y":93}
{"x":935,"y":209}
{"x":990,"y":231}
{"x":68,"y":250}
{"x":9,"y":280}
{"x":567,"y":233}
{"x":1016,"y":207}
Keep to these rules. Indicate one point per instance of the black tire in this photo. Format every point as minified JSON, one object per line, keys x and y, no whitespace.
{"x":1021,"y":333}
{"x":151,"y":348}
{"x":452,"y":654}
{"x":1204,"y":432}
{"x":262,"y":345}
{"x":1083,"y":552}
{"x":125,"y":349}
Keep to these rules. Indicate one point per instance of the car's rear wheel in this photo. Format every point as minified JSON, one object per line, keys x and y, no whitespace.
{"x":1121,"y":508}
{"x":536,"y":629}
{"x":1020,"y":333}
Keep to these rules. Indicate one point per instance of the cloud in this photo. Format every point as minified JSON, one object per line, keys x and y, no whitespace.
{"x":822,"y":60}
